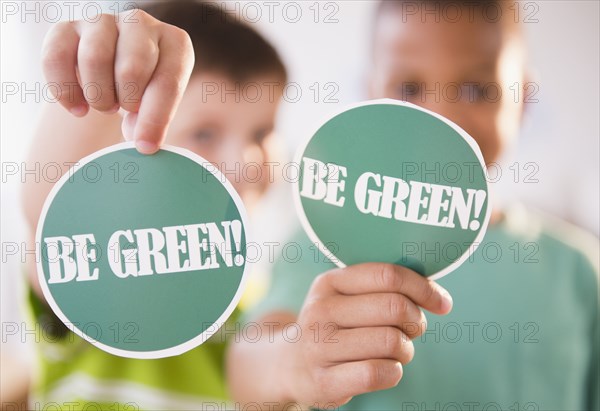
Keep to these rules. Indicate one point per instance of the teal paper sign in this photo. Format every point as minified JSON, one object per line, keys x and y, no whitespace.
{"x":144,"y":256}
{"x":387,"y":181}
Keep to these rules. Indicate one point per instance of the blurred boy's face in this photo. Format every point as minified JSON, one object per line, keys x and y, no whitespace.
{"x":456,"y":69}
{"x":233,"y":130}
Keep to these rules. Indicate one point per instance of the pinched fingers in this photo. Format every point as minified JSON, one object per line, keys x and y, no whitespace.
{"x":141,"y":65}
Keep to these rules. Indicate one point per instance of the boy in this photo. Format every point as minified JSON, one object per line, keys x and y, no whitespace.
{"x":149,"y":56}
{"x":523,"y":334}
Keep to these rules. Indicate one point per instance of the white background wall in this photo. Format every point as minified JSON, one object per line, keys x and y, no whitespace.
{"x":561,"y":133}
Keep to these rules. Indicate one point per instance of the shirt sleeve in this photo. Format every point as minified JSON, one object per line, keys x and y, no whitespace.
{"x":44,"y":321}
{"x":293,"y":273}
{"x":594,"y":384}
{"x":592,"y":287}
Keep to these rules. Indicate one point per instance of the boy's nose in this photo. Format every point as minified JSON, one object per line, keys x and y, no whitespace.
{"x":240,"y":161}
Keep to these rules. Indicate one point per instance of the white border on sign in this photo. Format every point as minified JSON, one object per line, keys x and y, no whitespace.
{"x":472,"y":143}
{"x":166,"y":352}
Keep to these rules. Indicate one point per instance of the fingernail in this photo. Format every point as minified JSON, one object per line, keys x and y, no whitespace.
{"x":446,"y":300}
{"x":79,"y":111}
{"x":146,"y":147}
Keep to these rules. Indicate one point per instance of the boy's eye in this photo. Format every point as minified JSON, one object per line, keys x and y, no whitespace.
{"x":204,"y":135}
{"x":260,"y":135}
{"x":408,"y":90}
{"x":472,"y":92}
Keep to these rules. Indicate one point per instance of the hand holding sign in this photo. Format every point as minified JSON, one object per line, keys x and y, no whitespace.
{"x":367,"y":314}
{"x":130,"y":61}
{"x":376,"y":181}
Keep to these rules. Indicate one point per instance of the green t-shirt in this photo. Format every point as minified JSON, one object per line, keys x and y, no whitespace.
{"x":75,"y":375}
{"x":523,"y":333}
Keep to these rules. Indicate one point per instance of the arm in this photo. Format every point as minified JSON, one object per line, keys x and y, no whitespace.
{"x":63,"y":139}
{"x":356,"y":329}
{"x":259,"y":362}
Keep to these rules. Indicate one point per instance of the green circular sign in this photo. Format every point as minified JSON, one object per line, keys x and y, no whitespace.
{"x":144,"y":256}
{"x":388,"y":181}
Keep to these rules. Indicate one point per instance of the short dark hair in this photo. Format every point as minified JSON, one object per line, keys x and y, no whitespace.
{"x":222,"y":42}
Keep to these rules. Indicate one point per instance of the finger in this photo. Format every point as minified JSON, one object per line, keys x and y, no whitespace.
{"x":136,"y":58}
{"x":380,"y":277}
{"x":354,"y":378}
{"x":378,"y":309}
{"x":165,"y":89}
{"x":96,"y":59}
{"x":370,"y":343}
{"x":59,"y":62}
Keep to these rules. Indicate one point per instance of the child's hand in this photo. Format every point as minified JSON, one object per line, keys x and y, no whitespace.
{"x":130,"y":61}
{"x":357,"y":324}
